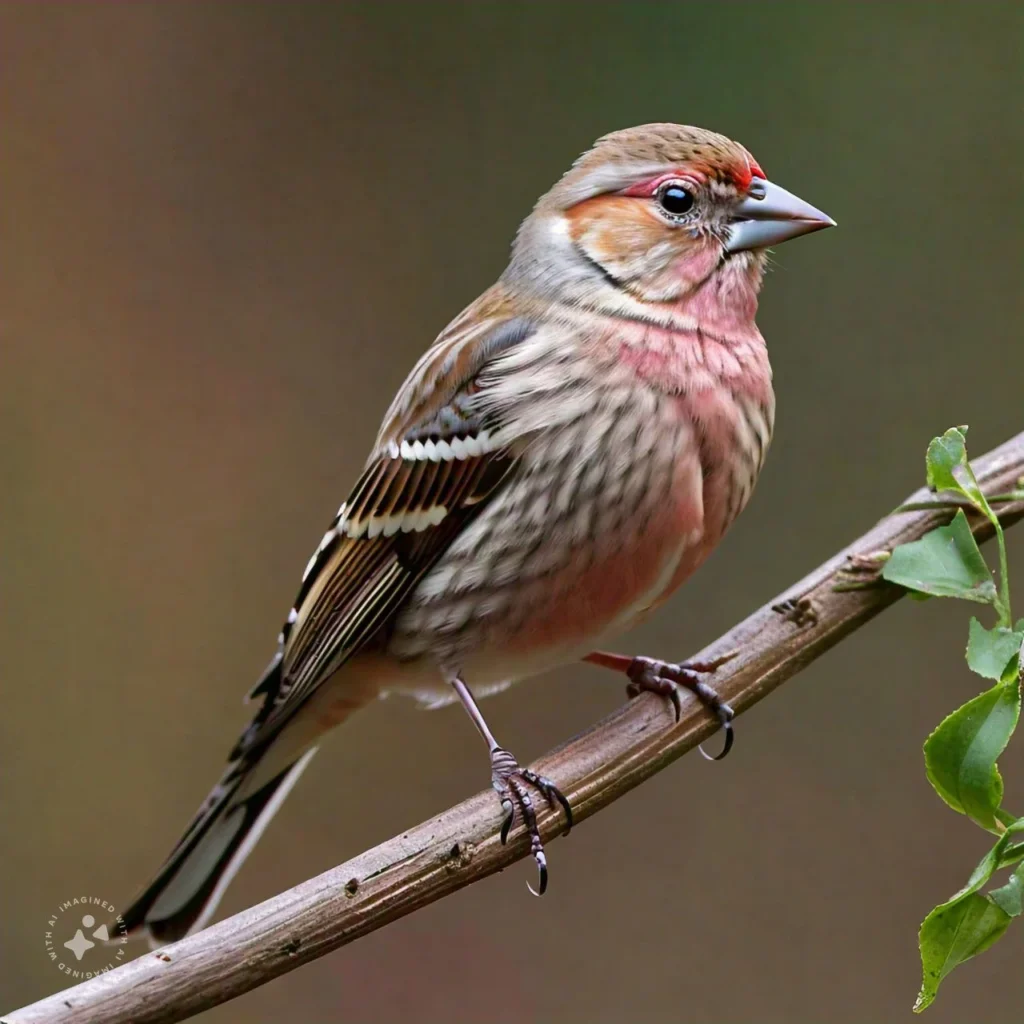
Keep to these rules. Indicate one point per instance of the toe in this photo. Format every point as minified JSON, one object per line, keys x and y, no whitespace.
{"x":509,"y":820}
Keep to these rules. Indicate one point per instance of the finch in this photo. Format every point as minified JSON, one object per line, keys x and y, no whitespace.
{"x":566,"y":453}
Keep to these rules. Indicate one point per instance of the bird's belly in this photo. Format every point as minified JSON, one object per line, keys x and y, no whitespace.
{"x":597,"y":598}
{"x":544,"y":577}
{"x":555,"y":622}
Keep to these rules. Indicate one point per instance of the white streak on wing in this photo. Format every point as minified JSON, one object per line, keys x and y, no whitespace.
{"x":479,"y":445}
{"x":430,"y":517}
{"x":388,"y":526}
{"x":417,"y":522}
{"x":310,"y":564}
{"x":324,"y":541}
{"x":460,"y":448}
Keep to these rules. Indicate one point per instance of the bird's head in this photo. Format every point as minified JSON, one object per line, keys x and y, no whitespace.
{"x":662,"y":213}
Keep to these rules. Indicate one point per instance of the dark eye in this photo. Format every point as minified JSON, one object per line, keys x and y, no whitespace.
{"x":674,"y":199}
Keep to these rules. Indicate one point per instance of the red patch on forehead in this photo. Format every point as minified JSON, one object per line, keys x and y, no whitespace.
{"x":743,"y":175}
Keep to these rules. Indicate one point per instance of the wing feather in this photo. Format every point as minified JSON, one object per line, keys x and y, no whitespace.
{"x":432,"y":470}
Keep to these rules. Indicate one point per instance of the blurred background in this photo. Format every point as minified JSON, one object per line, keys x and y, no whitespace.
{"x":229,"y":229}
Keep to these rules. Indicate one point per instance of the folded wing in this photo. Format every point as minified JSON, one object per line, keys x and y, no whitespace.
{"x":435,"y":466}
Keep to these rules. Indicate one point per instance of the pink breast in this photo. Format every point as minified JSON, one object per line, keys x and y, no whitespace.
{"x":611,"y":584}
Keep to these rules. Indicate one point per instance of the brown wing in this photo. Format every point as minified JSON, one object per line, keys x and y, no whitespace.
{"x":433,"y":469}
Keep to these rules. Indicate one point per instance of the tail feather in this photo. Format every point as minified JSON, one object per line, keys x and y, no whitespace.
{"x":185,"y":893}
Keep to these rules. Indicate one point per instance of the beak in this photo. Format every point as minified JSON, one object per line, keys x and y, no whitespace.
{"x":770,"y":215}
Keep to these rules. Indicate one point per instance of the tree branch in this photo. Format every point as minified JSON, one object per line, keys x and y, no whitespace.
{"x":461,"y":846}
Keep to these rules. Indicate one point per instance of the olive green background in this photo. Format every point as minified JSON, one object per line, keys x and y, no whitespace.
{"x":228,"y":230}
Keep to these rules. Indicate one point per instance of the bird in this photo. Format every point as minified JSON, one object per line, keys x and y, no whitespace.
{"x":566,"y":453}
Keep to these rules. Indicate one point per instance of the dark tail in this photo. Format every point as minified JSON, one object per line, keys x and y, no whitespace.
{"x":184,"y":895}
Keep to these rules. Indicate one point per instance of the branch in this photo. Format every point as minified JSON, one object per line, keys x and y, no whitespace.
{"x":461,"y":845}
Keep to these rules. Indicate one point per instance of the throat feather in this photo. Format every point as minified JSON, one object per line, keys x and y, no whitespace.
{"x":688,"y":362}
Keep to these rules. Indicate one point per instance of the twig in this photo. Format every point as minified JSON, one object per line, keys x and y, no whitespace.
{"x":461,"y":846}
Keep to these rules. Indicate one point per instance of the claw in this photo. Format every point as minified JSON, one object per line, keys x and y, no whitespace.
{"x":567,"y":809}
{"x":725,"y":716}
{"x":645,"y":674}
{"x":511,"y":781}
{"x":510,"y":816}
{"x":551,"y":793}
{"x":542,"y":866}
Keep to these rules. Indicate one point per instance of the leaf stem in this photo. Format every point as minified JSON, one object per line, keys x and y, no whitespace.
{"x":1002,"y":603}
{"x":944,"y":505}
{"x":1005,"y":615}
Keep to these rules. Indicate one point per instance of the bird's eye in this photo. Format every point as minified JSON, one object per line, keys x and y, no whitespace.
{"x":674,"y":199}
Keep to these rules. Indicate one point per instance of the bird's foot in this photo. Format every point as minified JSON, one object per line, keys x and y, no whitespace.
{"x":512,"y":783}
{"x":666,"y":679}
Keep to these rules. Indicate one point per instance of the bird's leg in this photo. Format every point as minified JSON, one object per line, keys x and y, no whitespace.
{"x":665,"y":679}
{"x":511,"y":783}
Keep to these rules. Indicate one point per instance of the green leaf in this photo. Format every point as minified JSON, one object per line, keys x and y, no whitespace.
{"x":1010,"y":897}
{"x":1010,"y":855}
{"x":944,"y":563}
{"x":969,"y":922}
{"x":994,"y":653}
{"x":953,"y":933}
{"x":960,"y":756}
{"x":947,"y":468}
